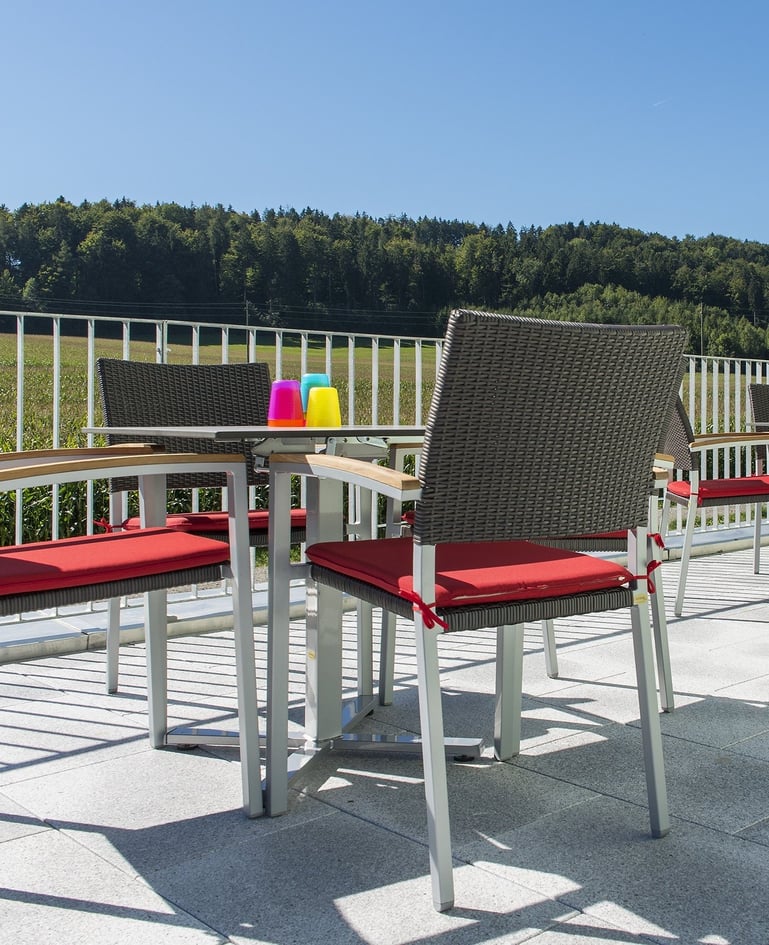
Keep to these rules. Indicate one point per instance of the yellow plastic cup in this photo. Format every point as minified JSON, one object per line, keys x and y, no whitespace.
{"x":323,"y":407}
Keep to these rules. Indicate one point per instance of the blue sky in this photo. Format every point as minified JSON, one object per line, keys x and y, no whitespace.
{"x":652,"y":114}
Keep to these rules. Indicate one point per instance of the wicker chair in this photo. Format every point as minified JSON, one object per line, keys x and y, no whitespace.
{"x":44,"y":574}
{"x":136,"y":393}
{"x":496,"y":420}
{"x":694,"y":492}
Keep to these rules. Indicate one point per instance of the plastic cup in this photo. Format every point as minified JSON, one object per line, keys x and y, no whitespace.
{"x":308,"y":382}
{"x":285,"y":408}
{"x":323,"y":407}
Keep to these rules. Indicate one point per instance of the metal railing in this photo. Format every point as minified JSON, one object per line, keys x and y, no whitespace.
{"x":382,"y":379}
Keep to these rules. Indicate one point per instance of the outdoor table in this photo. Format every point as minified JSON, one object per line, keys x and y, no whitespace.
{"x":327,"y":717}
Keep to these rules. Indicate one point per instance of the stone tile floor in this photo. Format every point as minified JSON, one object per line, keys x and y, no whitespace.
{"x":103,"y":840}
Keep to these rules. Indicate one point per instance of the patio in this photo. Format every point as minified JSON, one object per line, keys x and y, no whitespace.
{"x":103,"y":840}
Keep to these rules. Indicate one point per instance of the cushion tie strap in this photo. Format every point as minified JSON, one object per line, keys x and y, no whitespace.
{"x":658,"y":540}
{"x":102,"y":523}
{"x":429,"y":616}
{"x":651,"y":566}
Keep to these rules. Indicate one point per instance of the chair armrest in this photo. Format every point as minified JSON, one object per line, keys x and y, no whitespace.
{"x":39,"y":468}
{"x":382,"y":479}
{"x":60,"y":454}
{"x":150,"y":467}
{"x":726,"y":440}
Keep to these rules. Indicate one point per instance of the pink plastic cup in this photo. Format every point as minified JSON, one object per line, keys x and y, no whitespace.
{"x":285,"y":405}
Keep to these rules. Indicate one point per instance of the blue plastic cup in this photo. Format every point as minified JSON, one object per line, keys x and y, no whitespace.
{"x":308,"y":382}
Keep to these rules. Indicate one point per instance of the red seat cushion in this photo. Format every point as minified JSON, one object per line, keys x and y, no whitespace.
{"x":478,"y":573}
{"x":217,"y":521}
{"x":730,"y":490}
{"x":95,"y":559}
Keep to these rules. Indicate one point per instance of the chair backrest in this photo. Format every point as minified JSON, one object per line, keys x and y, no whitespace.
{"x":138,"y":393}
{"x":679,"y":436}
{"x":543,"y":428}
{"x":759,"y":406}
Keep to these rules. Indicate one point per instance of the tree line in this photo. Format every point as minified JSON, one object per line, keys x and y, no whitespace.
{"x":395,"y":275}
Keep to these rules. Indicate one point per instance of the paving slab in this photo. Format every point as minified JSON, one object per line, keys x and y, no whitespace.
{"x":342,"y":880}
{"x":55,"y":891}
{"x":690,"y":887}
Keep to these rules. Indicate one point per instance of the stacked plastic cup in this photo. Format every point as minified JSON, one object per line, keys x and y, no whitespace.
{"x":285,"y":408}
{"x":308,"y":382}
{"x":323,"y":407}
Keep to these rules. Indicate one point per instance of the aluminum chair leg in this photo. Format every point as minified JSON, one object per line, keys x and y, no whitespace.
{"x":113,"y":609}
{"x":757,"y":540}
{"x":662,"y":651}
{"x":650,"y":724}
{"x":691,"y":514}
{"x":548,"y":642}
{"x":361,"y":505}
{"x":434,"y":761}
{"x":509,"y":691}
{"x":156,"y":637}
{"x":113,"y":645}
{"x":387,"y":659}
{"x":660,"y":630}
{"x":647,"y":696}
{"x":431,"y":722}
{"x":365,"y":644}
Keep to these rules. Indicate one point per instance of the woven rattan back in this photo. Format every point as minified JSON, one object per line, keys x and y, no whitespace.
{"x":137,"y":393}
{"x":759,"y":406}
{"x":543,"y":428}
{"x":679,"y":436}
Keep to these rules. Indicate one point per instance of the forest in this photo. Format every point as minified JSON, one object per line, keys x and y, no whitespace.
{"x":393,"y":276}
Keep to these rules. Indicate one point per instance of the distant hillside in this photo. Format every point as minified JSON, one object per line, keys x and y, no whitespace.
{"x":388,"y":276}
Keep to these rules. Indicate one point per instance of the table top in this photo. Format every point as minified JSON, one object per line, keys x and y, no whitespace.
{"x":264,"y":432}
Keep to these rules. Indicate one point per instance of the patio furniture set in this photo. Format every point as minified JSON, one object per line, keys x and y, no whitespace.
{"x":511,"y":468}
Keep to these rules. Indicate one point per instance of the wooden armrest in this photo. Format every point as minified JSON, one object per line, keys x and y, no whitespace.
{"x":383,"y":479}
{"x":59,"y":454}
{"x":407,"y":446}
{"x":72,"y":465}
{"x":726,"y":439}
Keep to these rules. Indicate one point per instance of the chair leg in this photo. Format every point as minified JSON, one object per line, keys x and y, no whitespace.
{"x":509,"y":691}
{"x":548,"y":642}
{"x":361,"y":509}
{"x":387,"y":659}
{"x":757,"y":539}
{"x":365,"y":649}
{"x":691,"y":514}
{"x":113,"y":644}
{"x":650,"y":722}
{"x":434,"y":762}
{"x":113,"y":611}
{"x":662,"y":650}
{"x":156,"y":638}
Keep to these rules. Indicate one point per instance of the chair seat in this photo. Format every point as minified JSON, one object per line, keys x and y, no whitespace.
{"x":473,"y":573}
{"x":96,"y":559}
{"x":216,"y":522}
{"x":727,"y":490}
